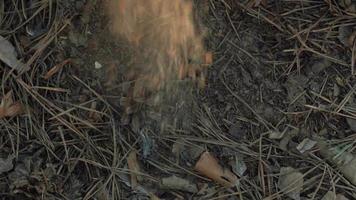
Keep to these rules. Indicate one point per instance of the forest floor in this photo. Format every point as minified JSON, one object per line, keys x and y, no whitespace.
{"x":276,"y":119}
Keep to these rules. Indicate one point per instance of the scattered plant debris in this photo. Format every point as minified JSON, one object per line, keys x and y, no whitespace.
{"x":339,"y":156}
{"x":291,"y":182}
{"x":208,"y":166}
{"x":9,"y":108}
{"x":177,"y":183}
{"x":306,"y":145}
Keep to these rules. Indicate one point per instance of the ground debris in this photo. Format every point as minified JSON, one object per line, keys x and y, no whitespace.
{"x":9,"y":108}
{"x":291,"y":182}
{"x":177,"y":183}
{"x":266,"y":88}
{"x":332,"y":196}
{"x":98,"y":65}
{"x":306,"y":145}
{"x":208,"y":166}
{"x":8,"y":55}
{"x":339,"y":156}
{"x":238,"y":165}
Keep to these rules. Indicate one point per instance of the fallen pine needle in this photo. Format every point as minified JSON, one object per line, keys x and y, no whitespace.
{"x":56,"y":69}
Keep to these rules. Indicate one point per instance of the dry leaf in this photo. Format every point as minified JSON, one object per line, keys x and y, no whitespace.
{"x":291,"y":182}
{"x":177,"y":183}
{"x":306,"y":145}
{"x":56,"y":69}
{"x":134,"y":168}
{"x":9,"y":108}
{"x":332,"y":196}
{"x":208,"y":166}
{"x":8,"y":55}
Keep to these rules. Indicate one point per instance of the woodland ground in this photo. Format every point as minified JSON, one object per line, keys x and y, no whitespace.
{"x":278,"y":109}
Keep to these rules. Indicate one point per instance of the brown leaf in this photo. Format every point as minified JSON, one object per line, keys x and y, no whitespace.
{"x":208,"y":166}
{"x":9,"y":108}
{"x":14,"y":110}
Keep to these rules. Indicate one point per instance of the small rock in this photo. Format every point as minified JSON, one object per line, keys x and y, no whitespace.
{"x":98,"y":65}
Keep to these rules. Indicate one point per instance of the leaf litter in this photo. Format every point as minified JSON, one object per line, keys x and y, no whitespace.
{"x":291,"y":182}
{"x":292,"y":57}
